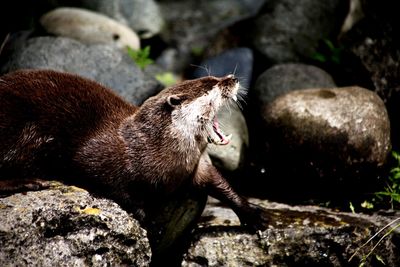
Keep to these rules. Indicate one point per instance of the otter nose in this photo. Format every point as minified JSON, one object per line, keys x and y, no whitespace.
{"x":231,"y":76}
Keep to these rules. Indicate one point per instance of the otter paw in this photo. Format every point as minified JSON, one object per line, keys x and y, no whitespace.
{"x":254,"y":218}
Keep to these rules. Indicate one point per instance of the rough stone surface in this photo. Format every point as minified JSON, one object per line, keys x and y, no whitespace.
{"x":323,"y":141}
{"x":283,"y":78}
{"x":191,"y":24}
{"x":231,"y":156}
{"x":288,"y":30}
{"x":297,"y":236}
{"x":89,"y":27}
{"x":66,"y":226}
{"x":143,"y":16}
{"x":105,"y":64}
{"x":350,"y":123}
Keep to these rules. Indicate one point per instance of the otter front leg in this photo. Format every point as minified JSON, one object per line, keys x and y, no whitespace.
{"x":208,"y":177}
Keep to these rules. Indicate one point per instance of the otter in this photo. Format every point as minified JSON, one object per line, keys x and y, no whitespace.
{"x":58,"y":125}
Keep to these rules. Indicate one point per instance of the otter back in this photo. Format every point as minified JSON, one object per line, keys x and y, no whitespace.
{"x":46,"y":115}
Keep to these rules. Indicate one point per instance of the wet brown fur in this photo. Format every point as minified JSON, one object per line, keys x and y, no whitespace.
{"x":58,"y":125}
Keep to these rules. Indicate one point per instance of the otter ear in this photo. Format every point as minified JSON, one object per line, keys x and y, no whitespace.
{"x":174,"y":100}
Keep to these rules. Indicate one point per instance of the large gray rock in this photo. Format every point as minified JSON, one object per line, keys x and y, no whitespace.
{"x":105,"y":64}
{"x":143,"y":16}
{"x":326,"y":144}
{"x":189,"y":21}
{"x":349,"y":123}
{"x":66,"y":226}
{"x":89,"y":27}
{"x":283,"y":78}
{"x":190,"y":25}
{"x":290,"y":30}
{"x":296,"y":236}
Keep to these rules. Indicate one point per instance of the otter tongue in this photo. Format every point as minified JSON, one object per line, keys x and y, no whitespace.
{"x":223,"y":140}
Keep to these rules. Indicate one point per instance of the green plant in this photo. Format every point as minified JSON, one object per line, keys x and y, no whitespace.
{"x":328,"y":52}
{"x":166,"y":78}
{"x":353,"y":210}
{"x":367,"y":205}
{"x":141,"y":56}
{"x":392,"y":190}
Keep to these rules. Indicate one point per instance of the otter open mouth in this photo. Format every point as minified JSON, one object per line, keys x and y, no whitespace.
{"x":217,"y":136}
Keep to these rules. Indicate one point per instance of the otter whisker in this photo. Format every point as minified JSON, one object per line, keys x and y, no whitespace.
{"x":235,"y":69}
{"x":205,"y":68}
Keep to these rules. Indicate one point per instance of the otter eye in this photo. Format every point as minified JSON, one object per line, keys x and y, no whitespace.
{"x":174,"y":100}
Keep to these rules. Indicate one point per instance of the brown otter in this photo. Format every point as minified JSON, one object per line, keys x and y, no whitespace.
{"x":55,"y":124}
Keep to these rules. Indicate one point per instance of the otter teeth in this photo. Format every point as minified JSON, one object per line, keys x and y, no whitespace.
{"x":219,"y":137}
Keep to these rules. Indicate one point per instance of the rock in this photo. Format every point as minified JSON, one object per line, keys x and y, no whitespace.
{"x":283,"y":78}
{"x":238,"y":61}
{"x":89,"y":27}
{"x":341,"y":135}
{"x":353,"y":118}
{"x":105,"y":64}
{"x":373,"y":40}
{"x":355,"y":14}
{"x":143,"y":16}
{"x":190,"y":25}
{"x":289,"y":31}
{"x":65,"y":225}
{"x":272,"y":83}
{"x":232,"y":156}
{"x":296,"y":236}
{"x":169,"y":60}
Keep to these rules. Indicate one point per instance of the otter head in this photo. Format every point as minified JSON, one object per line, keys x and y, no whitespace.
{"x":194,"y":105}
{"x":185,"y":114}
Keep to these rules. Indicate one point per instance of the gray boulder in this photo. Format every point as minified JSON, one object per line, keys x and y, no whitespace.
{"x":66,"y":226}
{"x":191,"y":25}
{"x":143,"y":16}
{"x":89,"y":27}
{"x":283,"y":78}
{"x":296,"y":236}
{"x":290,"y":30}
{"x":105,"y":64}
{"x":325,"y":141}
{"x":187,"y":22}
{"x":350,"y":123}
